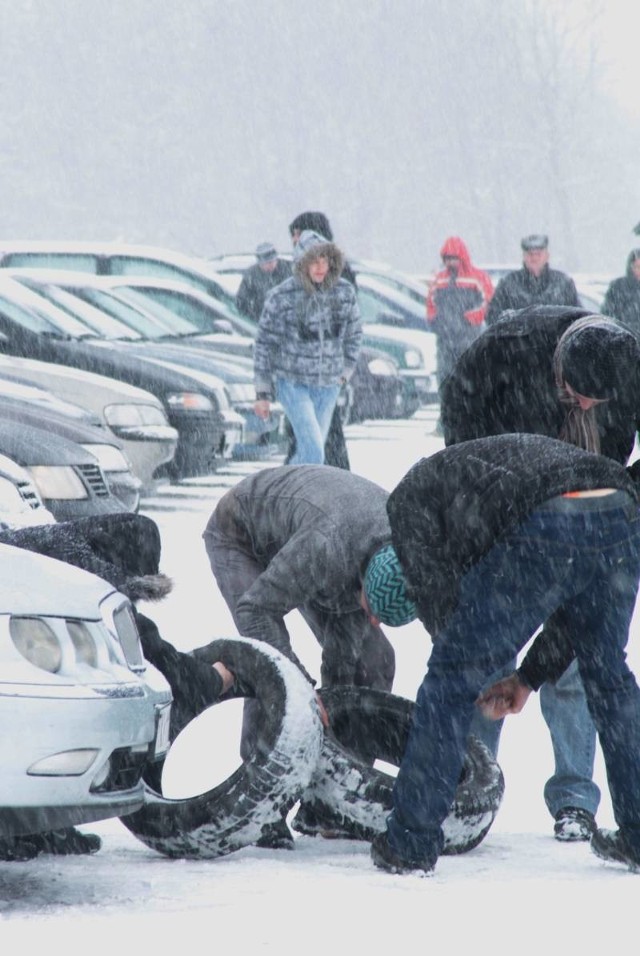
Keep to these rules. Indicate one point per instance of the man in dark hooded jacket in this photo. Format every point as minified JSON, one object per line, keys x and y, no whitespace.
{"x":534,"y":284}
{"x":493,"y":536}
{"x":563,"y":373}
{"x":622,"y":298}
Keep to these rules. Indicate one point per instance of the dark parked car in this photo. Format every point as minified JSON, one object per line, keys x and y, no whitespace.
{"x":196,"y":403}
{"x":174,"y":340}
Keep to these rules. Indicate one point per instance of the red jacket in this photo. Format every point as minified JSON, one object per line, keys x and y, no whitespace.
{"x":468,"y":278}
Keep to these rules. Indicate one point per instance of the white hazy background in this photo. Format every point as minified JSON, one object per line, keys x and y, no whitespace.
{"x":207,"y":126}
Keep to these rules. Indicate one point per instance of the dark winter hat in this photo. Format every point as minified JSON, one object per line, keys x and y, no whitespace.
{"x":598,"y":360}
{"x":309,"y":240}
{"x":266,"y":252}
{"x":534,"y":241}
{"x":317,"y":221}
{"x":385,"y":589}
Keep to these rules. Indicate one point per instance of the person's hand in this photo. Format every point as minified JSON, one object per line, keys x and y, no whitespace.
{"x":262,"y":408}
{"x":324,"y":716}
{"x":228,"y":679}
{"x":506,"y":696}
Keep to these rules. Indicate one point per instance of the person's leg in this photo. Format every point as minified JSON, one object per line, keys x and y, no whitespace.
{"x":300,"y":410}
{"x":573,"y":737}
{"x":601,"y":617}
{"x":503,"y":600}
{"x":324,"y":402}
{"x":235,"y":571}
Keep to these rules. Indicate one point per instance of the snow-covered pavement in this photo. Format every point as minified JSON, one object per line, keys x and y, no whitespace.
{"x":519,"y":890}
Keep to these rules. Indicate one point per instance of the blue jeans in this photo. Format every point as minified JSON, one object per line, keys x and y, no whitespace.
{"x":309,"y":409}
{"x":585,"y":560}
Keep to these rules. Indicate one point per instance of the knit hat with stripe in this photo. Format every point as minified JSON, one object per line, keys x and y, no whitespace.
{"x":386,"y":591}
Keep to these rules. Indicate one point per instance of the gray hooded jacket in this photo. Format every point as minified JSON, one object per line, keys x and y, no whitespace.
{"x":308,"y":334}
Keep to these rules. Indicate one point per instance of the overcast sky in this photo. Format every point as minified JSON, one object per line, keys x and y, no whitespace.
{"x":207,"y":126}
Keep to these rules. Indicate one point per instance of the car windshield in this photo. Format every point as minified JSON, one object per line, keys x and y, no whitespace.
{"x":90,"y":320}
{"x":135,"y":316}
{"x":144,"y":266}
{"x":167,"y":320}
{"x":33,"y":320}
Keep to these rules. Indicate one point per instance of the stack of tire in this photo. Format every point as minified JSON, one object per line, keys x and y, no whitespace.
{"x":296,"y":758}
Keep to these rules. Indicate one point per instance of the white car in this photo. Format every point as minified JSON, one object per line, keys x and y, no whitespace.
{"x":82,"y":711}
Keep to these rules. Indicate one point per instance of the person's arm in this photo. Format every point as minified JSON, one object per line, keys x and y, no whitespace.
{"x":497,"y":304}
{"x":292,"y":578}
{"x":353,"y":336}
{"x":266,"y":340}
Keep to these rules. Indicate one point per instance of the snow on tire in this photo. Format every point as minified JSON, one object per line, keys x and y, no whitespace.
{"x":262,"y":789}
{"x":365,"y":720}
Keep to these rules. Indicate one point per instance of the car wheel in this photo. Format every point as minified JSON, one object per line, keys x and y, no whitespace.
{"x":263,"y":788}
{"x":364,"y":721}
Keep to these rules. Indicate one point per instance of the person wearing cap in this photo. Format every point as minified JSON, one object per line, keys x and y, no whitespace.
{"x":534,"y":284}
{"x":268,"y":272}
{"x":317,"y":539}
{"x":622,"y":298}
{"x":307,"y":344}
{"x":563,"y":373}
{"x":495,"y":535}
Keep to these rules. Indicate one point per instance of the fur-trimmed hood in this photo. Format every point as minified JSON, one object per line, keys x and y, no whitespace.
{"x":310,"y":246}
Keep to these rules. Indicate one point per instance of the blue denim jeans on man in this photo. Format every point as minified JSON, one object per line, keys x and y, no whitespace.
{"x":309,"y":409}
{"x":585,"y":560}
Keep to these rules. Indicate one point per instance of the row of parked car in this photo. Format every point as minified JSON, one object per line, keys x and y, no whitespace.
{"x":120,"y":367}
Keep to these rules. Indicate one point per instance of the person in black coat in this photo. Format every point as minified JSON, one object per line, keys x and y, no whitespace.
{"x":622,"y":298}
{"x":562,"y":373}
{"x":494,"y":535}
{"x":268,"y":272}
{"x":534,"y":284}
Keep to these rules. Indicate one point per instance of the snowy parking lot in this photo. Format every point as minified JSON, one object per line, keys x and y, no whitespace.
{"x":325,"y":896}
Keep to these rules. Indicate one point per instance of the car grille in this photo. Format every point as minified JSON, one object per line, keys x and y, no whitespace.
{"x":29,"y":495}
{"x":94,"y":479}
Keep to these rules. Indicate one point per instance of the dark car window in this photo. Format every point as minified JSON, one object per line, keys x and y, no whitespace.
{"x":52,"y":260}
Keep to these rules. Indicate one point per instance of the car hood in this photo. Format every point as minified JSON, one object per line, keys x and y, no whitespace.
{"x":33,"y":584}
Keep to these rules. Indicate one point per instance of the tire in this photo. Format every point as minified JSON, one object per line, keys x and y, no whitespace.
{"x":359,"y":796}
{"x":263,"y":788}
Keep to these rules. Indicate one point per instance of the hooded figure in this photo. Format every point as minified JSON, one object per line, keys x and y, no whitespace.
{"x":456,"y":304}
{"x":307,"y":344}
{"x":622,"y":298}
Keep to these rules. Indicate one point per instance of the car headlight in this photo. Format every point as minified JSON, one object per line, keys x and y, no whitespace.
{"x":110,"y":457}
{"x":36,"y":642}
{"x":58,"y":482}
{"x":189,"y":401}
{"x":83,"y":643}
{"x":380,"y":366}
{"x":413,"y":358}
{"x":127,"y":416}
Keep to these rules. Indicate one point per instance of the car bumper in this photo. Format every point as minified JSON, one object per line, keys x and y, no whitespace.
{"x":120,"y":722}
{"x":204,"y":441}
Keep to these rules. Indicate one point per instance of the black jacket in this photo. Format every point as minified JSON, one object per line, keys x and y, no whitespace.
{"x":451,"y":508}
{"x":622,"y":300}
{"x":521,"y":288}
{"x":255,"y":285}
{"x":504,"y":383}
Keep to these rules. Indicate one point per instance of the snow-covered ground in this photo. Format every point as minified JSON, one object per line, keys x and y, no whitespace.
{"x":519,"y":890}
